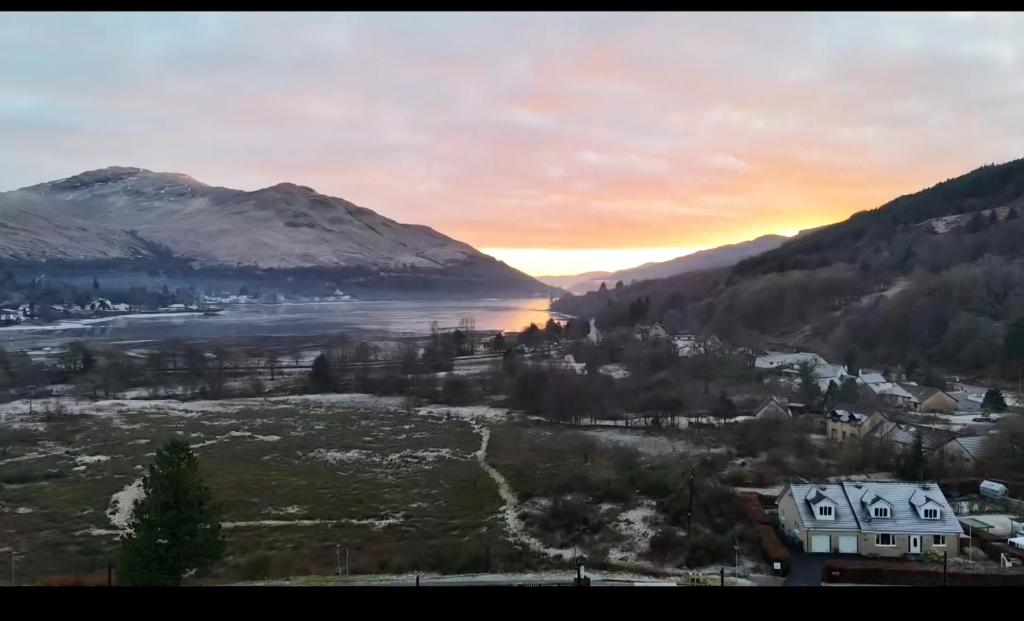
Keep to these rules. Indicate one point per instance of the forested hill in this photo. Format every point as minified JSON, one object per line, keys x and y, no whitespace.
{"x":935,"y":277}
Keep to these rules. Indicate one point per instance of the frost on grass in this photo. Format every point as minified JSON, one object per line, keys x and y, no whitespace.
{"x":400,"y":458}
{"x":638,"y":528}
{"x":91,"y":459}
{"x":122,"y":504}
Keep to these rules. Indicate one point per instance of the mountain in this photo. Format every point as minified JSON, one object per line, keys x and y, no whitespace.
{"x":722,"y":256}
{"x":931,"y":278}
{"x":118,"y":215}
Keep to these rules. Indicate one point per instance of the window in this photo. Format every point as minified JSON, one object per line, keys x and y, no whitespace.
{"x":881,"y":512}
{"x":931,"y":514}
{"x":825,"y":511}
{"x":939,"y":541}
{"x":885,"y":539}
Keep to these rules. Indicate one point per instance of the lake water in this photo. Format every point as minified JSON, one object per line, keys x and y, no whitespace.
{"x":300,"y":319}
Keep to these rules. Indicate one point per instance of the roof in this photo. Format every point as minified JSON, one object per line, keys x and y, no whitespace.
{"x":844,"y":517}
{"x":773,"y":359}
{"x":871,"y":378}
{"x":973,"y":445}
{"x":976,"y":523}
{"x":853,"y":413}
{"x":889,"y":388}
{"x":905,"y":518}
{"x":921,"y":393}
{"x":906,"y":435}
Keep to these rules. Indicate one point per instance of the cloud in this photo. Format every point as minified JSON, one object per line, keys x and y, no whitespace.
{"x":517,"y":130}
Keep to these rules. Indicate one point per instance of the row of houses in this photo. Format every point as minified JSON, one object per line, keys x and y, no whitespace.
{"x":851,"y":421}
{"x":906,"y":395}
{"x":888,"y":520}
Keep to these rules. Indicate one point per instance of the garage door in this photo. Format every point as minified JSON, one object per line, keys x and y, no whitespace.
{"x":848,"y":544}
{"x":819,"y":543}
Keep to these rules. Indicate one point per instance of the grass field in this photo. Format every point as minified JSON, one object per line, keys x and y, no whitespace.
{"x":402,"y":491}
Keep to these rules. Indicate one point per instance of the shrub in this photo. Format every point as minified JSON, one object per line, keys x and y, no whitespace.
{"x":667,"y":545}
{"x":737,"y":477}
{"x":705,"y":548}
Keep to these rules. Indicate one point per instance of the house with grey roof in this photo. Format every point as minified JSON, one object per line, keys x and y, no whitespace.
{"x":871,"y":519}
{"x":852,"y":420}
{"x":928,"y":399}
{"x":820,"y":517}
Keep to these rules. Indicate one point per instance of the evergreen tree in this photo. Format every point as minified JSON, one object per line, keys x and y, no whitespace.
{"x":498,"y":345}
{"x":618,"y":285}
{"x":175,"y":528}
{"x":1013,"y":345}
{"x":320,"y":377}
{"x":1012,"y":214}
{"x":851,"y":362}
{"x":809,"y":390}
{"x":993,"y":401}
{"x":976,"y":223}
{"x":848,"y":392}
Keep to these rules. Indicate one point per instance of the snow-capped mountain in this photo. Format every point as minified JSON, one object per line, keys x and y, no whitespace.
{"x":130,"y":212}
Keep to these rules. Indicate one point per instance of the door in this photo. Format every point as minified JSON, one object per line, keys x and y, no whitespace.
{"x":820,"y":544}
{"x":847,"y":544}
{"x":915,"y":544}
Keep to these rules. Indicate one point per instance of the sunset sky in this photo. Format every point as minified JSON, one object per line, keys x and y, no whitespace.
{"x":559,"y":143}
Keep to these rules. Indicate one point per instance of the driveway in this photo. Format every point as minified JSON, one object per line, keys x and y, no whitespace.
{"x":805,"y":568}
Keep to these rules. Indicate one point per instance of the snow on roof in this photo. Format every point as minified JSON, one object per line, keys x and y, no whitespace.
{"x":973,"y":445}
{"x":844,"y":516}
{"x":871,"y":378}
{"x":904,"y":516}
{"x":889,"y":388}
{"x":775,"y":359}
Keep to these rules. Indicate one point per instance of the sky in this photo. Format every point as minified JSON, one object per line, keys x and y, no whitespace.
{"x":558,"y":142}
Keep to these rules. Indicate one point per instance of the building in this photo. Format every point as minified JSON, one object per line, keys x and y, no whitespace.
{"x":890,"y":520}
{"x":852,"y":420}
{"x":928,"y":399}
{"x":778,"y":360}
{"x":690,"y":345}
{"x":773,"y":407}
{"x":964,"y":450}
{"x":10,"y":315}
{"x":904,"y":437}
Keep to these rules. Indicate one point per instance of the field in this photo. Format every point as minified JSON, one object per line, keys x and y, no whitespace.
{"x":306,"y":482}
{"x":400,"y":490}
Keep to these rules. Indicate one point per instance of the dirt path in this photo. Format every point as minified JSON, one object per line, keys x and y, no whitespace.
{"x":514,"y":526}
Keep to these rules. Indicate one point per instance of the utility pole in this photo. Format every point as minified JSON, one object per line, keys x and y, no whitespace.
{"x":110,"y":573}
{"x":346,"y":560}
{"x":944,"y":568}
{"x":689,"y":507}
{"x":337,"y":552}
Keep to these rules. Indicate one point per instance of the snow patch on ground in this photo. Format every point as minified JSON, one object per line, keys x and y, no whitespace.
{"x":91,"y":459}
{"x":123,"y":502}
{"x":289,"y":510}
{"x":637,"y":525}
{"x":373,"y":523}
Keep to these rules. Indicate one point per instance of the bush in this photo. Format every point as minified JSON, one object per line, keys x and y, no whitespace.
{"x":667,"y":545}
{"x":705,"y":548}
{"x":737,"y":477}
{"x":572,"y":517}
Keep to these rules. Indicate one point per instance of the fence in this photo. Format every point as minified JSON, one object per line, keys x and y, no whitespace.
{"x":914,"y":574}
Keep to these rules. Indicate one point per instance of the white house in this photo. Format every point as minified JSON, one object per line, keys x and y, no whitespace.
{"x":778,"y":360}
{"x":10,"y":315}
{"x":871,"y":519}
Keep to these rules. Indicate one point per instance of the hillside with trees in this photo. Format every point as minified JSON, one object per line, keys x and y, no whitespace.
{"x":935,"y":277}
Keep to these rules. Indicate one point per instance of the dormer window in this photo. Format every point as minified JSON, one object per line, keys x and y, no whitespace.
{"x":880,"y":512}
{"x":825,"y":512}
{"x":931,"y":514}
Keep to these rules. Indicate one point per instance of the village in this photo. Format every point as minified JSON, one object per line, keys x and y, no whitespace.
{"x":804,"y":470}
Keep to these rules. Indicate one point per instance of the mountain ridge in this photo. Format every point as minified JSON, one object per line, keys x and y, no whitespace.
{"x":127,"y":214}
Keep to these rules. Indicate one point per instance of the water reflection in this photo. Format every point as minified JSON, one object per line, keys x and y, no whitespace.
{"x":413,"y":317}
